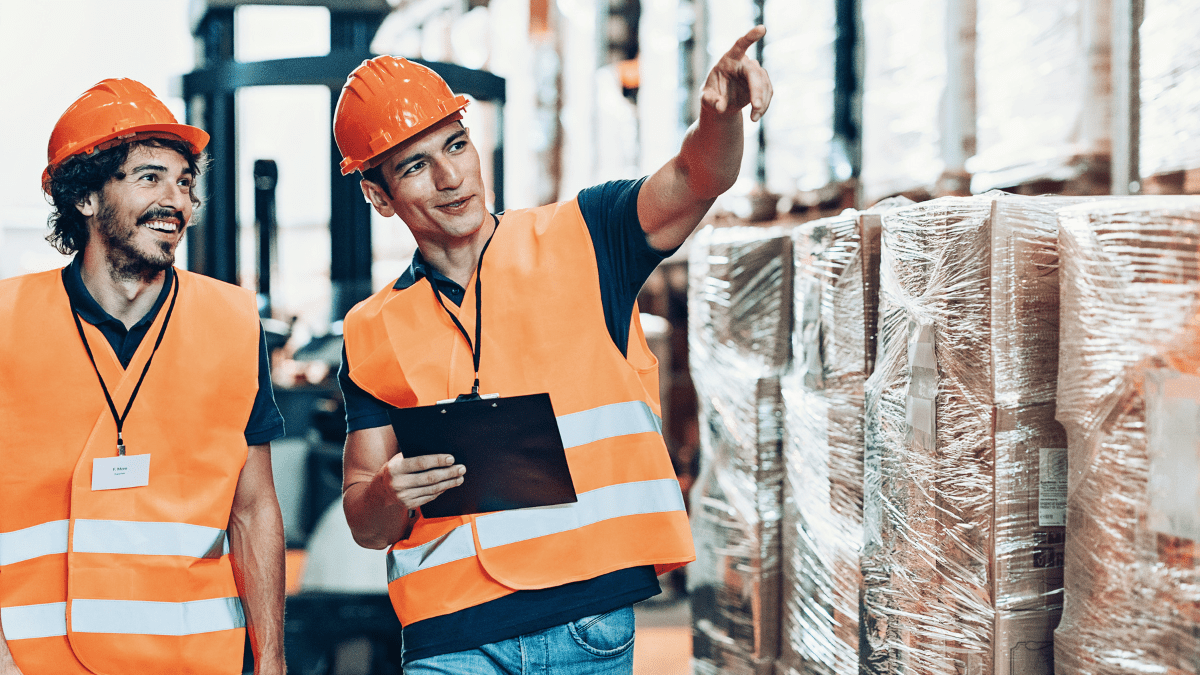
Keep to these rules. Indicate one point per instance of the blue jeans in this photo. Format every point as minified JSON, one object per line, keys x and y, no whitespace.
{"x":593,"y":645}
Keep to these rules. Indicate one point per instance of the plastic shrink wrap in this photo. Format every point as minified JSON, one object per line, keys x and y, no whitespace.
{"x":837,"y":288}
{"x":1033,"y":97}
{"x":962,"y":558}
{"x":1129,"y":398}
{"x":739,"y":315}
{"x":1170,"y":89}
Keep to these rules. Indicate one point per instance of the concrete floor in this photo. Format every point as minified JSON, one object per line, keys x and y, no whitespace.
{"x":664,"y":637}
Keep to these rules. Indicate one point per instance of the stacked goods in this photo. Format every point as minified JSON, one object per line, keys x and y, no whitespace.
{"x":1129,"y":398}
{"x":963,"y":472}
{"x":837,"y":275}
{"x":739,"y":315}
{"x":1170,"y":89}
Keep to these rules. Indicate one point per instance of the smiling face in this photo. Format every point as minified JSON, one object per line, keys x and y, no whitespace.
{"x":435,"y":185}
{"x":139,"y":217}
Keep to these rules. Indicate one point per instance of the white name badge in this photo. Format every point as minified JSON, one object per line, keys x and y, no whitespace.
{"x":114,"y":473}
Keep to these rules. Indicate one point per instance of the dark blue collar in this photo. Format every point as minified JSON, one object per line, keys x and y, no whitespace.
{"x":91,"y":311}
{"x":420,"y":269}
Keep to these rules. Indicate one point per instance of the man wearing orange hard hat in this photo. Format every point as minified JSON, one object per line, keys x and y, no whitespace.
{"x":139,"y":527}
{"x":524,"y":316}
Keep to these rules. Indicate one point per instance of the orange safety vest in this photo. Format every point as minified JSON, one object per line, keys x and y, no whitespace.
{"x":135,"y":580}
{"x":543,"y":331}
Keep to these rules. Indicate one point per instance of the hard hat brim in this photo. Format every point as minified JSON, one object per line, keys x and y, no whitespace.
{"x":349,"y":165}
{"x":196,"y":137}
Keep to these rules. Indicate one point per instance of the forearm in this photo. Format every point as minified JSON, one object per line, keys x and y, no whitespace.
{"x":256,"y":551}
{"x":376,"y":517}
{"x":711,"y":155}
{"x":7,"y":665}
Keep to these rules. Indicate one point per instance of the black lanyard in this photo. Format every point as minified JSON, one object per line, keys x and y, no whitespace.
{"x":476,"y":346}
{"x":120,"y":419}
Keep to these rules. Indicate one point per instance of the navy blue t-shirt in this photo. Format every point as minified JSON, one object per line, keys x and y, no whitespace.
{"x":625,"y":260}
{"x":265,"y":423}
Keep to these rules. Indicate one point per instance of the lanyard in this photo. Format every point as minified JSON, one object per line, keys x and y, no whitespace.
{"x":477,"y":346}
{"x":120,"y":419}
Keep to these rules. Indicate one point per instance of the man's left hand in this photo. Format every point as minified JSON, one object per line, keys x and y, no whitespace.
{"x":738,"y":80}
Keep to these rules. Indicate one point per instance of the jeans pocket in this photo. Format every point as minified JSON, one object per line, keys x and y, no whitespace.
{"x":605,"y":635}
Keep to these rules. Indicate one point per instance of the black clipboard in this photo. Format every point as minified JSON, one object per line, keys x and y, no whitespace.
{"x":511,"y":448}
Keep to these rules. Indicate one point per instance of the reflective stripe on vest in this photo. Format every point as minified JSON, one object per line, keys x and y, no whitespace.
{"x":509,"y":527}
{"x":34,"y":621}
{"x":126,"y":617}
{"x":607,"y":421}
{"x":147,"y":538}
{"x":33,"y":542}
{"x":456,"y":544}
{"x":114,"y":536}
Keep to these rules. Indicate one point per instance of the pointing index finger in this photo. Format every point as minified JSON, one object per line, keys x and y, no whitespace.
{"x":739,"y":48}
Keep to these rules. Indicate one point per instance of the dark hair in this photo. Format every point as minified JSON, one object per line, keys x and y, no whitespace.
{"x":79,"y":176}
{"x":375,"y":175}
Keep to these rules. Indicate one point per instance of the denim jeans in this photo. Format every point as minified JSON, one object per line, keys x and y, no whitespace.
{"x":593,"y":645}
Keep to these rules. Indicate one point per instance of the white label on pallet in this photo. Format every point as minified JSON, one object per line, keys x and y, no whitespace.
{"x":1173,"y":442}
{"x":1052,"y":487}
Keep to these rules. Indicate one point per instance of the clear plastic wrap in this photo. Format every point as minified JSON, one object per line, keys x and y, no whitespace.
{"x":739,"y":315}
{"x":800,"y":55}
{"x":1032,"y":62}
{"x":1129,"y":398}
{"x":962,"y":557}
{"x":837,"y":274}
{"x":904,"y":81}
{"x":1170,"y":90}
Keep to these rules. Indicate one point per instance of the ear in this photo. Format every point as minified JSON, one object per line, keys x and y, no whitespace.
{"x":377,"y":198}
{"x":89,"y":205}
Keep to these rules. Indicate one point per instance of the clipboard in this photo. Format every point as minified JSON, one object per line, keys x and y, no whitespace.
{"x":511,"y":448}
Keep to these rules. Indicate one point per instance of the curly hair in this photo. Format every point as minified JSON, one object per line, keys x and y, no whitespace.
{"x":79,"y":176}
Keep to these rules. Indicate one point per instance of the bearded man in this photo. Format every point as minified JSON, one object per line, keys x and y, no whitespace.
{"x":139,"y":527}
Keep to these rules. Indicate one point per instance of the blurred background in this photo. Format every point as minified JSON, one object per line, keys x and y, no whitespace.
{"x":873,"y":98}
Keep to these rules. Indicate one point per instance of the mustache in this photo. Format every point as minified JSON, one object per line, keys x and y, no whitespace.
{"x":161,"y":214}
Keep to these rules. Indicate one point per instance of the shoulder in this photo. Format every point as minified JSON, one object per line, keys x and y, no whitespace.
{"x":219,"y":297}
{"x":28,"y":287}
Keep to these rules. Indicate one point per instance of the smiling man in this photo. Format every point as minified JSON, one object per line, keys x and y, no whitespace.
{"x":529,"y":302}
{"x":139,"y":527}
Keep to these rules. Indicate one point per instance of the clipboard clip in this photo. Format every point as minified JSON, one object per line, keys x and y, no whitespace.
{"x":473,"y":396}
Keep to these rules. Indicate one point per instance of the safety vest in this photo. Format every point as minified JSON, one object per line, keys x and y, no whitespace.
{"x":134,"y":580}
{"x":543,"y":331}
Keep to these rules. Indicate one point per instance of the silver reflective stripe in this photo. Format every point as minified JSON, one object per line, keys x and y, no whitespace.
{"x":141,"y":538}
{"x":456,"y":544}
{"x":33,"y":542}
{"x":613,"y":501}
{"x":25,"y":622}
{"x":138,"y":617}
{"x":615,"y":419}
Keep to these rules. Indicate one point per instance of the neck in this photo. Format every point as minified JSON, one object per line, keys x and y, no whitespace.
{"x":126,"y":298}
{"x":457,"y":259}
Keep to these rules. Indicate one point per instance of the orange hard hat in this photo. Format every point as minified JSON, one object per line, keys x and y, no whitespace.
{"x":386,"y":101}
{"x":114,"y":109}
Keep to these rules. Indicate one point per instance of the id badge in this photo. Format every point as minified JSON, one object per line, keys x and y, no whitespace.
{"x":116,"y":473}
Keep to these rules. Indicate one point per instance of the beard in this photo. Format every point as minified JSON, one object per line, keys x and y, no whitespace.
{"x":125,"y":259}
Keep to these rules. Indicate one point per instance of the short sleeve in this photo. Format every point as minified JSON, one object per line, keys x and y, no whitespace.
{"x":623,"y":256}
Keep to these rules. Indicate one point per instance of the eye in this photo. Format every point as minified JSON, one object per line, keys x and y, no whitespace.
{"x":458,"y":146}
{"x":185,"y":183}
{"x":413,"y":168}
{"x":153,"y":178}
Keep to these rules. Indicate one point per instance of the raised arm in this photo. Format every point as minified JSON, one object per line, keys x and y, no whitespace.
{"x":256,"y":551}
{"x":380,"y":487}
{"x":676,"y":197}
